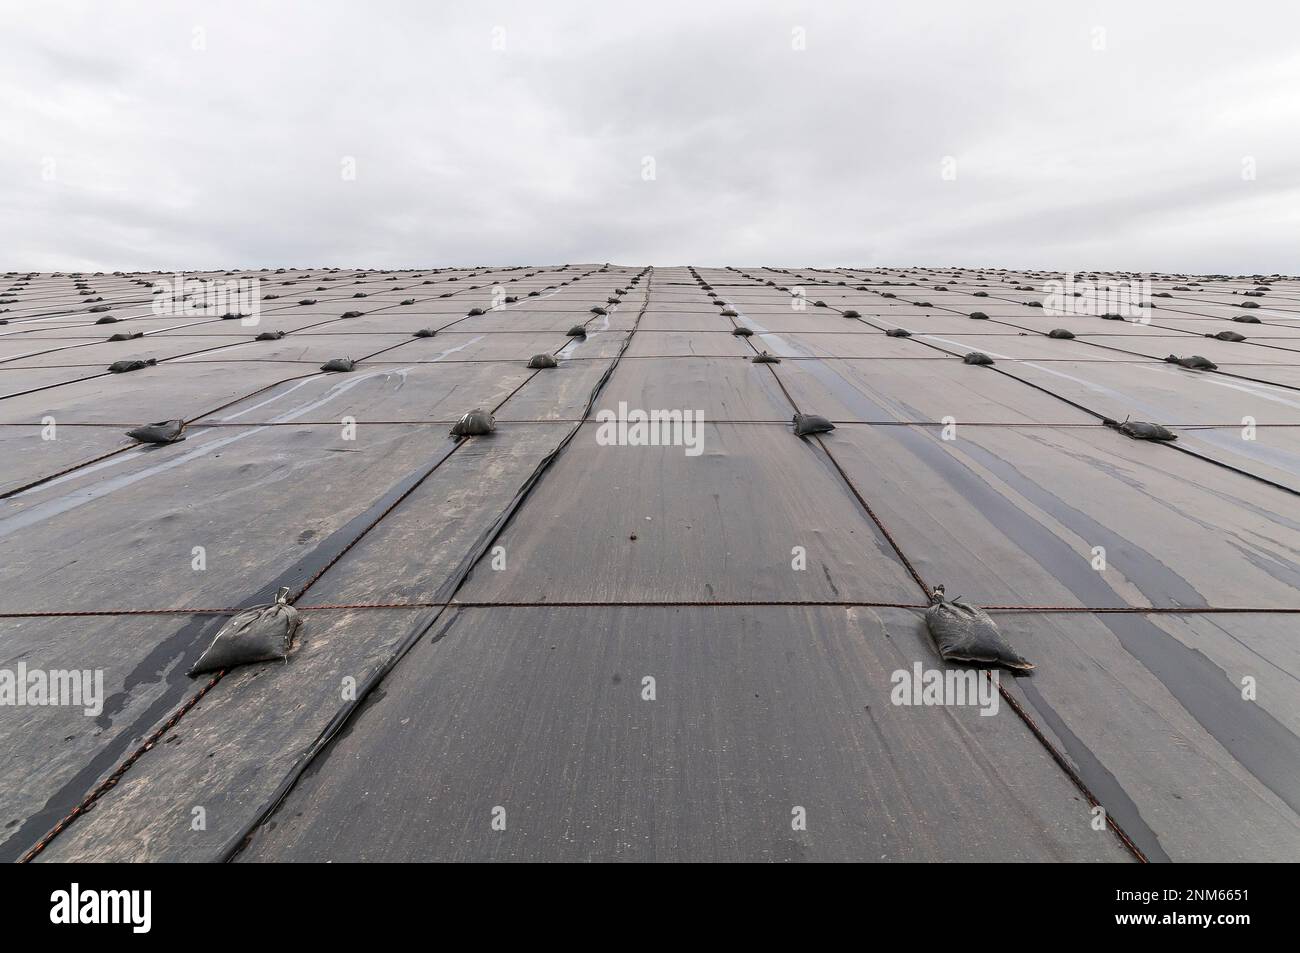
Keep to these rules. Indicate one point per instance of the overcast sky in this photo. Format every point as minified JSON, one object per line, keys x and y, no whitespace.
{"x":1145,"y":136}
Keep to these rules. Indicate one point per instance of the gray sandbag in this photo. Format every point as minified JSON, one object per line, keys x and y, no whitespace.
{"x":473,"y":312}
{"x":1141,"y":429}
{"x":126,"y":336}
{"x":852,"y":314}
{"x":728,"y":313}
{"x":577,"y":331}
{"x":599,"y":310}
{"x":964,"y":633}
{"x":979,"y":316}
{"x":766,"y":358}
{"x":1194,"y":362}
{"x":1112,"y":316}
{"x":540,"y":361}
{"x":474,"y":424}
{"x":269,"y":336}
{"x":898,"y":333}
{"x":104,"y":307}
{"x":307,"y":301}
{"x":1227,"y":336}
{"x":977,"y":357}
{"x":233,"y":316}
{"x":107,"y":319}
{"x":339,"y":364}
{"x":424,"y":333}
{"x":123,"y":367}
{"x":412,"y":300}
{"x":742,"y":332}
{"x":1247,"y":319}
{"x":1244,"y":304}
{"x":352,"y":314}
{"x":259,"y":634}
{"x":805,"y":424}
{"x":165,"y":431}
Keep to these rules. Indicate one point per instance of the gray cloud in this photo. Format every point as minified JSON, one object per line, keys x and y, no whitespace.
{"x":122,"y":145}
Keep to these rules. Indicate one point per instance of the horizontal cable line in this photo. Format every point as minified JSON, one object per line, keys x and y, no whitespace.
{"x":1012,"y":425}
{"x":670,"y":603}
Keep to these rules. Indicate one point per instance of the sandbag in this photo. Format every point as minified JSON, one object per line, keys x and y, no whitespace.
{"x":979,"y":316}
{"x":852,"y":314}
{"x":766,"y":358}
{"x":1247,"y":319}
{"x":107,"y":319}
{"x":805,"y":424}
{"x":577,"y":331}
{"x":259,"y":634}
{"x":965,"y":634}
{"x":166,"y":431}
{"x":122,"y":367}
{"x":424,"y":333}
{"x":977,"y":357}
{"x":742,"y":332}
{"x":269,"y":336}
{"x":1060,"y":333}
{"x":728,"y":313}
{"x":539,"y":361}
{"x":598,"y":310}
{"x":474,"y":424}
{"x":126,"y":336}
{"x":339,"y":364}
{"x":352,"y":314}
{"x":1141,"y":429}
{"x":898,"y":333}
{"x":1195,"y":362}
{"x":1227,"y":336}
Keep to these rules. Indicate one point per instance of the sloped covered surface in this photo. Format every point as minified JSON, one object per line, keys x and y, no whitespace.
{"x":556,"y":642}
